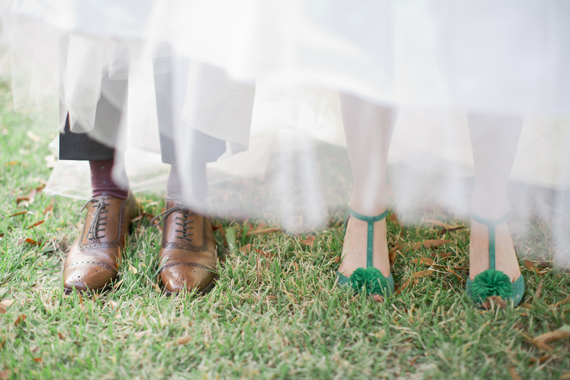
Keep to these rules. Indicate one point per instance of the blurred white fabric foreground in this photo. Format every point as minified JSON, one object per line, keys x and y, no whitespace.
{"x":432,"y":141}
{"x":436,"y":60}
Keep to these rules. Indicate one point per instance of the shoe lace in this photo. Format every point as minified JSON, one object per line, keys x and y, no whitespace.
{"x":98,"y":218}
{"x":184,"y":222}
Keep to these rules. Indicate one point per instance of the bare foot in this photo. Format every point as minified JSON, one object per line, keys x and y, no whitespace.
{"x":505,"y":256}
{"x":355,"y":246}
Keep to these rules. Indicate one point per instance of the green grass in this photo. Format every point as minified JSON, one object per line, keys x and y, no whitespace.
{"x":278,"y":317}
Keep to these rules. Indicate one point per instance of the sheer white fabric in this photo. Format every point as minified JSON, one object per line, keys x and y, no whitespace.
{"x":433,"y":60}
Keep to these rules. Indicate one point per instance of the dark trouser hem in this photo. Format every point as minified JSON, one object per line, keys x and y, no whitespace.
{"x":80,"y":147}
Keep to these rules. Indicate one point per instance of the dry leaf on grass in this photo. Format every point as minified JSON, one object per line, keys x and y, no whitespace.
{"x":564,"y":301}
{"x":49,"y":208}
{"x":435,"y":243}
{"x":21,"y":318}
{"x":513,"y":373}
{"x":5,"y":375}
{"x":540,"y":360}
{"x":423,"y":273}
{"x":455,"y":274}
{"x":60,"y":335}
{"x":423,"y":260}
{"x":310,"y":241}
{"x":133,"y":269}
{"x":113,"y":305}
{"x":183,"y":340}
{"x":28,"y":240}
{"x":1,"y":235}
{"x":416,"y":246}
{"x":19,"y":213}
{"x":38,"y":360}
{"x":530,"y":265}
{"x":446,"y":230}
{"x":222,"y":232}
{"x":31,"y":241}
{"x":245,"y":249}
{"x":403,"y":287}
{"x":4,"y":305}
{"x":21,"y":199}
{"x":400,"y":247}
{"x":541,"y":345}
{"x":32,"y":195}
{"x":36,"y":224}
{"x":561,"y":333}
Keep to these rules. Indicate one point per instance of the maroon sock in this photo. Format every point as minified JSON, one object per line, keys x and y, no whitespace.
{"x":102,"y":181}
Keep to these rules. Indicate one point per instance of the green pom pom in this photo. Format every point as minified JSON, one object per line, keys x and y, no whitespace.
{"x":491,"y":283}
{"x":370,"y":280}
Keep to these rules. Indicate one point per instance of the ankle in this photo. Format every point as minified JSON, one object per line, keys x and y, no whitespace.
{"x":489,"y":207}
{"x":368,"y":208}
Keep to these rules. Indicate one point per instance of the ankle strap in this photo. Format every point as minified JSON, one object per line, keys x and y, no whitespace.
{"x":368,"y":219}
{"x":370,"y":236}
{"x":492,"y":224}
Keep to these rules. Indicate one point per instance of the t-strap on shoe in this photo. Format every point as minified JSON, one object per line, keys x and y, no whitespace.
{"x":369,"y":279}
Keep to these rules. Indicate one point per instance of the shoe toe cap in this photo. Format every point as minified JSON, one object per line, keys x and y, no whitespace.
{"x":87,"y":276}
{"x":176,"y":278}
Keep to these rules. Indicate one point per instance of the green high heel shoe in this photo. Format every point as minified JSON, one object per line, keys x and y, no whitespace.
{"x":369,"y":279}
{"x":493,"y":282}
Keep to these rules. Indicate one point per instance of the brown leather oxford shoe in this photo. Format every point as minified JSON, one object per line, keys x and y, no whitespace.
{"x":93,"y":261}
{"x":188,"y":253}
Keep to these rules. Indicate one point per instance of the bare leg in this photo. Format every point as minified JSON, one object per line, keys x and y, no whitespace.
{"x":368,"y":129}
{"x":494,"y":140}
